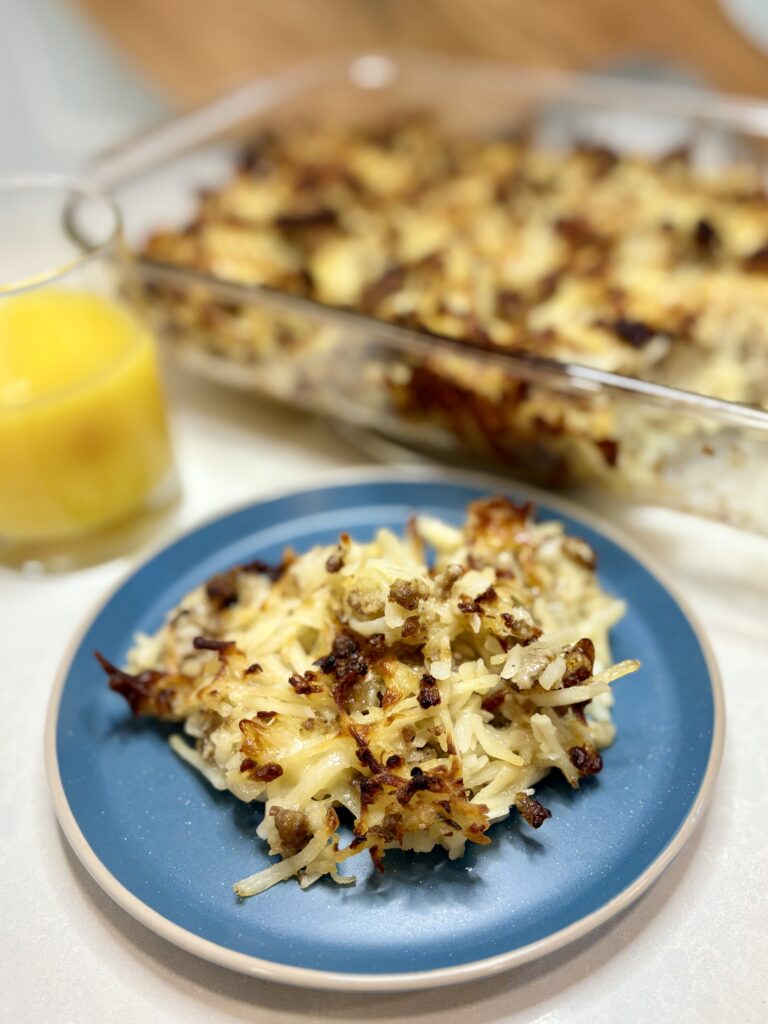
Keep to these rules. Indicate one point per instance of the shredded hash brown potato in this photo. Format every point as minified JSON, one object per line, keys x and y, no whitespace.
{"x":647,"y":267}
{"x":656,"y":268}
{"x":425,"y":700}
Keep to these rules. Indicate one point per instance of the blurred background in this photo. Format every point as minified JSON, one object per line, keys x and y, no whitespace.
{"x":76,"y":75}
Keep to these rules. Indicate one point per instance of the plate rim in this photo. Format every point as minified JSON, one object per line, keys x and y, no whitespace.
{"x":401,"y":981}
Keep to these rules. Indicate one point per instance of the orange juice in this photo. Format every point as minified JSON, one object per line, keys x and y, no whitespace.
{"x":83,"y":431}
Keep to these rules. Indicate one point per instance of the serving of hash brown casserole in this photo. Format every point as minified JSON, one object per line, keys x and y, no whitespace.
{"x":466,"y":261}
{"x":420,"y":699}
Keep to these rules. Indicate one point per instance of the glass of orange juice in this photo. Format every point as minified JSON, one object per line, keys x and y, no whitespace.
{"x":86,"y":465}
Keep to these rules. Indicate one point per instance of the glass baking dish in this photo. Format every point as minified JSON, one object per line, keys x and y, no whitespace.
{"x":627,"y":436}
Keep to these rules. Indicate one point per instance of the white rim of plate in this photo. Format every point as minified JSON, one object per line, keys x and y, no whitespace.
{"x":305,"y":977}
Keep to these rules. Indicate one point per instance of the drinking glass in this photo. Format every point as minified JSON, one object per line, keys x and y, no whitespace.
{"x":86,"y":464}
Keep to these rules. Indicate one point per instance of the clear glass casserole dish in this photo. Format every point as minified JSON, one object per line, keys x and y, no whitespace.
{"x":562,"y":424}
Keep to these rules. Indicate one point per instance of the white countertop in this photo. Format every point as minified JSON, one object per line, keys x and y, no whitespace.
{"x":693,"y":949}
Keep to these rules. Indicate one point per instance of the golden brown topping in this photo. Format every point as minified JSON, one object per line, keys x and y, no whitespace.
{"x":148,"y":693}
{"x":376,"y":857}
{"x":581,"y":552}
{"x":497,"y":243}
{"x":520,"y":626}
{"x":498,"y":520}
{"x":253,"y":736}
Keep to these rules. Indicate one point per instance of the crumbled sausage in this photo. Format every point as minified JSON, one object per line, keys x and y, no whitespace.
{"x":304,"y":684}
{"x":204,"y":643}
{"x":429,"y":694}
{"x":346,"y":663}
{"x":273,"y":572}
{"x":262,"y":772}
{"x":407,"y":593}
{"x":634,"y":332}
{"x":585,"y":760}
{"x":389,"y":828}
{"x":222,"y":588}
{"x":335,"y":561}
{"x":578,"y":711}
{"x":521,"y":626}
{"x":579,"y":662}
{"x":292,"y":827}
{"x":534,"y":812}
{"x":469,"y":606}
{"x":609,"y":449}
{"x":451,"y":574}
{"x":705,"y":236}
{"x":410,"y":627}
{"x":493,"y":701}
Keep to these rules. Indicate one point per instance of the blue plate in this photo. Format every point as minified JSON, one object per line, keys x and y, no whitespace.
{"x":168,"y":848}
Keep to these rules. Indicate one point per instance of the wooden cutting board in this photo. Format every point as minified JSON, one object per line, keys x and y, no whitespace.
{"x":192,"y":49}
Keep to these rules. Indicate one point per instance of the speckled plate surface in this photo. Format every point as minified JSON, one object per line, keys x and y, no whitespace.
{"x":167,"y":847}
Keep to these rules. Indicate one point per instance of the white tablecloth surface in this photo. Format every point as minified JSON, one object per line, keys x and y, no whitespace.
{"x":694,"y":948}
